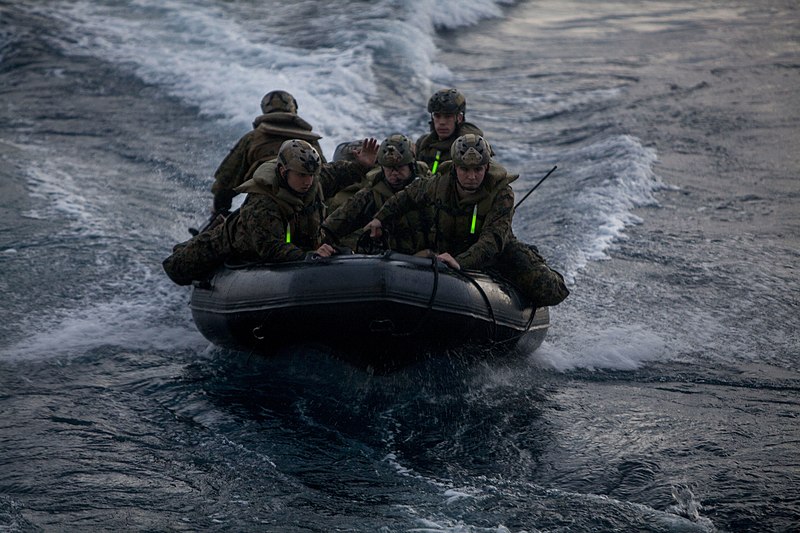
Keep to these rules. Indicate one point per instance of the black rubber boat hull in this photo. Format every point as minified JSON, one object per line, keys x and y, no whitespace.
{"x":378,"y":305}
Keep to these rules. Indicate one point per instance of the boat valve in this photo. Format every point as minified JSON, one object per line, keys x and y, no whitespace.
{"x":381,"y":326}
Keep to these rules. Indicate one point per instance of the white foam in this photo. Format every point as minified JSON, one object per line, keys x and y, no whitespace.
{"x":88,"y":198}
{"x":614,"y":348}
{"x":129,"y":304}
{"x":132,"y":324}
{"x":209,"y":58}
{"x":453,"y":496}
{"x":452,"y":14}
{"x":594,"y":195}
{"x":57,"y":186}
{"x":206,"y":58}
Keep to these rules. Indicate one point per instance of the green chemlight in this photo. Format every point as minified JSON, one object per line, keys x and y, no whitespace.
{"x":436,"y":162}
{"x":474,"y":219}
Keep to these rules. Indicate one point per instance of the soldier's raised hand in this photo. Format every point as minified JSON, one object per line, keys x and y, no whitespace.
{"x":367,"y":154}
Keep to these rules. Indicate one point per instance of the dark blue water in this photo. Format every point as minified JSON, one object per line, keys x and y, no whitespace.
{"x":664,"y":399}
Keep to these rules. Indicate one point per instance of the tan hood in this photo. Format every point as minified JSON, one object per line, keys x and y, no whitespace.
{"x":264,"y":180}
{"x":287,"y":125}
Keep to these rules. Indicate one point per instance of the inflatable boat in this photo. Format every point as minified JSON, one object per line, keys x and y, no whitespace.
{"x":379,"y":310}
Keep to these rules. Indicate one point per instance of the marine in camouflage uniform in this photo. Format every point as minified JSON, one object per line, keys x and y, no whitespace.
{"x":342,"y":197}
{"x":278,"y":123}
{"x":397,"y":169}
{"x":276,"y":223}
{"x":346,"y":151}
{"x":432,"y":149}
{"x":474,"y":226}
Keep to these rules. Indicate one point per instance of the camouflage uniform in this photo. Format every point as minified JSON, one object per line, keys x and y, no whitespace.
{"x":279,"y":123}
{"x":342,"y":197}
{"x":447,"y":219}
{"x":344,"y":225}
{"x":522,"y":265}
{"x":429,"y":146}
{"x":476,"y":230}
{"x":274,"y":224}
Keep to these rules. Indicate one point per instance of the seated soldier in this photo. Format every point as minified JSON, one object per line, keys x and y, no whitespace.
{"x":278,"y":123}
{"x":447,"y":108}
{"x":346,"y":151}
{"x":469,"y":205}
{"x":280,"y":218}
{"x":397,"y":169}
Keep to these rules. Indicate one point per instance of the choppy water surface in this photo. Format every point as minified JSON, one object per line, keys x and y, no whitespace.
{"x":664,"y":399}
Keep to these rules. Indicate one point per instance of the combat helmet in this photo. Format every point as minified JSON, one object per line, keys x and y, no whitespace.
{"x":396,"y":150}
{"x":447,"y":101}
{"x":470,"y":150}
{"x":298,"y":155}
{"x":278,"y":101}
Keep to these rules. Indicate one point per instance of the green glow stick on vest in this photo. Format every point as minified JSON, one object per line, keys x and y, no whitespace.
{"x":474,"y":218}
{"x":436,"y":162}
{"x":288,"y":233}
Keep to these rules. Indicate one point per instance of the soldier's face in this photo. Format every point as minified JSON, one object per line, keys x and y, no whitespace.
{"x":445,"y":123}
{"x":397,"y":176}
{"x":299,"y":182}
{"x":470,"y":178}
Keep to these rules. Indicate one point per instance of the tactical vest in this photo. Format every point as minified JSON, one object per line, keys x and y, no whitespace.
{"x":302,"y":223}
{"x":404,"y":231}
{"x":269,"y":133}
{"x":301,"y":217}
{"x":434,"y":152}
{"x":341,"y":197}
{"x":457,"y":227}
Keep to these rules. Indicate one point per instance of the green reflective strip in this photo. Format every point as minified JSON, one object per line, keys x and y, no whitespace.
{"x":436,"y":162}
{"x":288,"y":233}
{"x":474,"y":219}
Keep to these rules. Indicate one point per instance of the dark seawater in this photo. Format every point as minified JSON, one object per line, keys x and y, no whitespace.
{"x":664,"y":399}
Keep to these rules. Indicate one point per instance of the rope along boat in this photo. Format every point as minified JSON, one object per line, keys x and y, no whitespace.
{"x":381,"y":306}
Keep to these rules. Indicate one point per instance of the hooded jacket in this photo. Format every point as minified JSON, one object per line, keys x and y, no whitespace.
{"x":431,"y":149}
{"x":254,"y":148}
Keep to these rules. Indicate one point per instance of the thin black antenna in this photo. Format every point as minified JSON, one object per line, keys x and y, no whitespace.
{"x":535,"y":186}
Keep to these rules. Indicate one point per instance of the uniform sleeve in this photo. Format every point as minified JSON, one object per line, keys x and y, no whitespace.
{"x":264,"y":234}
{"x":337,"y":175}
{"x":494,"y":235}
{"x":416,"y":195}
{"x":230,"y":174}
{"x":355,"y":213}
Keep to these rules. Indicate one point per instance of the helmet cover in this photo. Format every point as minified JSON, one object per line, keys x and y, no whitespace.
{"x":470,"y":151}
{"x":278,"y":101}
{"x":298,"y":155}
{"x":396,"y":150}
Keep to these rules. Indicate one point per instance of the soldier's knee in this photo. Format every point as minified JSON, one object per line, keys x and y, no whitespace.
{"x":193,"y":260}
{"x":543,"y":286}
